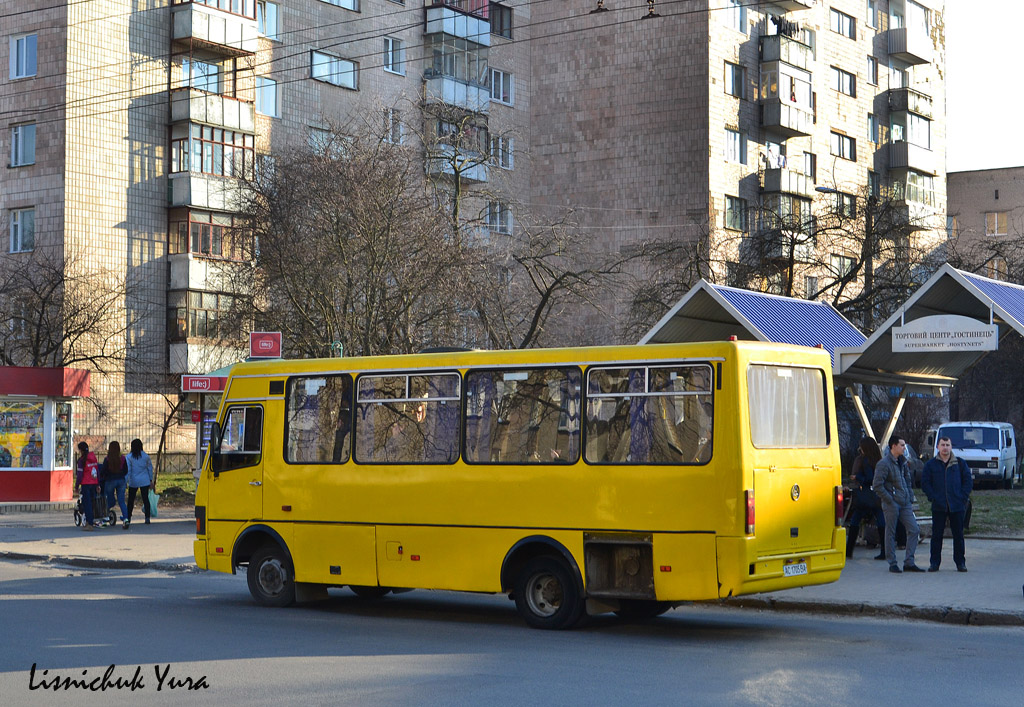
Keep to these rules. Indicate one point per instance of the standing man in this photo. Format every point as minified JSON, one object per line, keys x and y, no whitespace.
{"x":894,"y":485}
{"x":947,"y":483}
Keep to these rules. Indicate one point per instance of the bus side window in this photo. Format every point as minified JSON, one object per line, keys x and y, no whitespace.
{"x":241,"y":442}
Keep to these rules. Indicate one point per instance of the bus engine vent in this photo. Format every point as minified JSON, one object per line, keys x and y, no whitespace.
{"x":619,"y":565}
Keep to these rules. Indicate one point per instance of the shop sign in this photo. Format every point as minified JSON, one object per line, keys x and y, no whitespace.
{"x":202,"y":384}
{"x":945,"y":332}
{"x":265,"y":344}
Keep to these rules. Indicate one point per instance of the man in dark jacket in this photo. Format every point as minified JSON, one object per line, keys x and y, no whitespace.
{"x":894,"y":485}
{"x":947,"y":483}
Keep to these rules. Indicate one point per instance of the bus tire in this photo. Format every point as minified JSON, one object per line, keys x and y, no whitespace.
{"x":368,"y":592}
{"x":270,"y":576}
{"x":634,"y":609}
{"x":548,"y":595}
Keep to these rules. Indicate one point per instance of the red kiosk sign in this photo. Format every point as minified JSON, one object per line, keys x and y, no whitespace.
{"x":202,"y":384}
{"x":265,"y":344}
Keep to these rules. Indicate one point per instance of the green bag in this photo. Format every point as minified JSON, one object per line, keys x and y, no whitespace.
{"x":154,"y":498}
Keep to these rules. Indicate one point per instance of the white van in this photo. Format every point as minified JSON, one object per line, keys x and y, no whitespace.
{"x":989,"y":448}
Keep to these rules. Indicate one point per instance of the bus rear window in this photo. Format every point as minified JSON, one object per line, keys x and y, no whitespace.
{"x":650,"y":415}
{"x":787,"y":407}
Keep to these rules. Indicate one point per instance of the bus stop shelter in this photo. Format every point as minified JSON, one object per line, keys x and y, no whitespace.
{"x":950,"y":323}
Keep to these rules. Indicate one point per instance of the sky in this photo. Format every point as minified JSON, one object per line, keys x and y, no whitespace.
{"x":984,"y":103}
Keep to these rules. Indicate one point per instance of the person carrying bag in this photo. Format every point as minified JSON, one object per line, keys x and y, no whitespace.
{"x":866,"y":503}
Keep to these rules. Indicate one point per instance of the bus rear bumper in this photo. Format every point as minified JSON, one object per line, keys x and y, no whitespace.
{"x":199,"y":550}
{"x":742,"y":571}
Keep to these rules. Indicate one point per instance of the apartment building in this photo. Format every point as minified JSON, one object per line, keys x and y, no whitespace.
{"x":986,"y":221}
{"x":696,"y":121}
{"x":128,"y":123}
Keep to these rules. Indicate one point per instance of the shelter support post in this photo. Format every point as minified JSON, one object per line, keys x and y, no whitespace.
{"x":897,"y":410}
{"x":861,"y":413}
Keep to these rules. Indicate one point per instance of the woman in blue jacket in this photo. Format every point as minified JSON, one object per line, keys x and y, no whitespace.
{"x":140,"y":478}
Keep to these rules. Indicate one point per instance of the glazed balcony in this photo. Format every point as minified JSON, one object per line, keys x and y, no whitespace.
{"x":910,"y":100}
{"x":195,"y":106}
{"x":450,"y":19}
{"x":787,"y":181}
{"x":451,"y":91}
{"x":786,"y":118}
{"x":203,"y":191}
{"x":778,"y":244}
{"x":442,"y":160}
{"x":778,"y":47}
{"x":195,"y":24}
{"x":793,"y":5}
{"x":905,"y":155}
{"x":910,"y":46}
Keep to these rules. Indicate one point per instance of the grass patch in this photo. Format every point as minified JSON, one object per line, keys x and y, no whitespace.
{"x":996,"y":512}
{"x":176,"y":488}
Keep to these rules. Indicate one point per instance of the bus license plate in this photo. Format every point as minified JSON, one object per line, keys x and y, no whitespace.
{"x":794,"y":570}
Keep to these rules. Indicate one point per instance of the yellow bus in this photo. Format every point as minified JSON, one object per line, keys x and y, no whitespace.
{"x":626,"y":478}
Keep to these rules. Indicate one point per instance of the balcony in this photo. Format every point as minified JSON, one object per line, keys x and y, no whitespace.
{"x":204,"y":191}
{"x":778,"y":47}
{"x":201,"y":358}
{"x":907,"y":216}
{"x":786,"y":118}
{"x":904,"y":155}
{"x":194,"y":106}
{"x":443,"y":19}
{"x":787,"y":181}
{"x":442,"y":160}
{"x":195,"y":24}
{"x":793,"y":5}
{"x":910,"y":100}
{"x":777,"y":244}
{"x":189,"y":272}
{"x":910,"y":46}
{"x":445,"y":89}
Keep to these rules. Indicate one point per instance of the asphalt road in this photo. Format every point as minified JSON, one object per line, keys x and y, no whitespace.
{"x":439,"y":648}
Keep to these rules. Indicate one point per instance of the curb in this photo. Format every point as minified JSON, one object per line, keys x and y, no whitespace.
{"x":97,"y":563}
{"x":937,"y":614}
{"x":35,"y":506}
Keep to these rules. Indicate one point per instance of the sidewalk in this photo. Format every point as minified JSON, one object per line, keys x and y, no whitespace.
{"x":990,"y":593}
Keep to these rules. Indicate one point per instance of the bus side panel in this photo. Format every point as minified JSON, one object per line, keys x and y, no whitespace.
{"x":220,"y":539}
{"x":349,"y":548}
{"x":685,"y":567}
{"x":464,"y":559}
{"x":742,"y":571}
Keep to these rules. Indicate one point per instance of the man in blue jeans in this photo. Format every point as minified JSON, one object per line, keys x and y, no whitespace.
{"x":947,"y":483}
{"x":895,"y":486}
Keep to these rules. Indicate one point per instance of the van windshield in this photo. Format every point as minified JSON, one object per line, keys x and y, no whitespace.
{"x":972,"y":437}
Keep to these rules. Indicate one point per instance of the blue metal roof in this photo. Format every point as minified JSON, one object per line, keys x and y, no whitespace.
{"x":1008,"y":296}
{"x":788,"y":320}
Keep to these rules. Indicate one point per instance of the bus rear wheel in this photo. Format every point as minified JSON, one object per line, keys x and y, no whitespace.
{"x":270,"y":577}
{"x":632,"y":609}
{"x":548,"y":595}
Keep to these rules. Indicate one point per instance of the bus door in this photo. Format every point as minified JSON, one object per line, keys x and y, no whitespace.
{"x":236,"y":483}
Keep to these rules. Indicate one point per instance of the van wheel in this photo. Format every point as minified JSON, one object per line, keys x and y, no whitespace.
{"x":1008,"y":482}
{"x":270,"y":577}
{"x":548,"y":595}
{"x":631,"y":609}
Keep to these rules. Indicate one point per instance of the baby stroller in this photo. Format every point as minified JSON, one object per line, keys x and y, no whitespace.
{"x":100,"y":513}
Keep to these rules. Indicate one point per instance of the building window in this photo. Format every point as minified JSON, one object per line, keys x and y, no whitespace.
{"x":23,"y":230}
{"x":235,"y":7}
{"x":266,"y":19}
{"x":735,"y":214}
{"x":499,"y":217}
{"x":918,"y":188}
{"x":842,"y":265}
{"x":997,"y":269}
{"x":333,"y":70}
{"x":845,"y":205}
{"x":996,"y":223}
{"x":393,"y":132}
{"x":457,"y":58}
{"x":872,"y":18}
{"x":736,"y":15}
{"x":200,"y":75}
{"x":23,"y":56}
{"x":952,"y":227}
{"x":735,"y":146}
{"x":501,"y":20}
{"x":501,"y":86}
{"x":843,"y":24}
{"x":899,"y":76}
{"x":919,"y":131}
{"x":811,"y":166}
{"x":874,"y":184}
{"x":23,"y":144}
{"x":872,"y":71}
{"x":844,"y":146}
{"x":198,"y":314}
{"x":203,"y":148}
{"x":810,"y":286}
{"x":266,"y":97}
{"x":203,"y":233}
{"x":844,"y":82}
{"x":346,"y":4}
{"x":734,"y":80}
{"x":872,"y":128}
{"x":501,"y":152}
{"x":394,"y":56}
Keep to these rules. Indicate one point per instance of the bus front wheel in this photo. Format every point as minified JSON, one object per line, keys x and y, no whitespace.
{"x":271,"y":581}
{"x":548,"y":595}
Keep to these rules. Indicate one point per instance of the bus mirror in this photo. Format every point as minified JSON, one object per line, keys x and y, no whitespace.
{"x":215,"y":456}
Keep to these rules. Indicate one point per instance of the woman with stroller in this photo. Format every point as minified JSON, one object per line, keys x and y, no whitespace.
{"x":113,"y":471}
{"x":140,"y":478}
{"x":865,"y":502}
{"x":87,"y":477}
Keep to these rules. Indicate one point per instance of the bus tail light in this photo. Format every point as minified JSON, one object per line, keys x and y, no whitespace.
{"x":749,"y":493}
{"x":839,"y":506}
{"x":200,"y":520}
